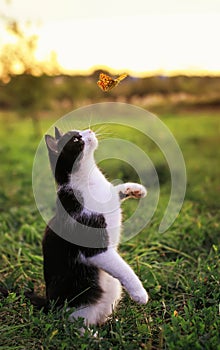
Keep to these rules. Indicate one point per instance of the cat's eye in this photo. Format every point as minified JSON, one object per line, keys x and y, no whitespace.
{"x":75,"y":139}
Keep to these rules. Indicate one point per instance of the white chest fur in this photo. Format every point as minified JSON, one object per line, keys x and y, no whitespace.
{"x":99,"y":196}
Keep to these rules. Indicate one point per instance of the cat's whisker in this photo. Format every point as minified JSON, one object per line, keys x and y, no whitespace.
{"x":99,"y":129}
{"x":65,"y":126}
{"x":103,"y":131}
{"x":103,"y":135}
{"x":102,"y":127}
{"x":90,"y":121}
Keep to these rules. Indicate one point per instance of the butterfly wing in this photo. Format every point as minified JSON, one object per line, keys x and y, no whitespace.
{"x":121,"y":77}
{"x":106,"y":83}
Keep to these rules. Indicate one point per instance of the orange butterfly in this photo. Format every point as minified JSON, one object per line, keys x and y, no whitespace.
{"x":106,"y":83}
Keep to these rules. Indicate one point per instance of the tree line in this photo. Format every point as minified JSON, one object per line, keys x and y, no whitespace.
{"x":28,"y":92}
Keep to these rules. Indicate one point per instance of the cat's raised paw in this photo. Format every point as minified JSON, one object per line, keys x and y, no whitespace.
{"x":135,"y":190}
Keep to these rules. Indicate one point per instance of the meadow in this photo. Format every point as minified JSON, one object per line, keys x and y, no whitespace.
{"x":179,"y":268}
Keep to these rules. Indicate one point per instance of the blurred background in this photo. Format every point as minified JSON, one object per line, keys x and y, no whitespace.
{"x":51,"y":54}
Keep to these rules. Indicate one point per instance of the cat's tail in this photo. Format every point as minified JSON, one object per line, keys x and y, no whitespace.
{"x":39,"y":302}
{"x":4,"y":292}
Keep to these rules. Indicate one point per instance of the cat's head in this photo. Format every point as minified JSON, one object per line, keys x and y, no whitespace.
{"x":67,"y":152}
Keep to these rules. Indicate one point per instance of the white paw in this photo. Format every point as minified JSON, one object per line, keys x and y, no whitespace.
{"x":140,"y":296}
{"x":135,"y":190}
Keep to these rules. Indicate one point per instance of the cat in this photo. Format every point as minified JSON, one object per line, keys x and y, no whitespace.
{"x":81,"y":262}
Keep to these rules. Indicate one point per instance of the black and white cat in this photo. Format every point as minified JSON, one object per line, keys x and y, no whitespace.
{"x":88,"y":276}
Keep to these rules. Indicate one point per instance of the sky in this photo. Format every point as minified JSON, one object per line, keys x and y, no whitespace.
{"x":138,"y":37}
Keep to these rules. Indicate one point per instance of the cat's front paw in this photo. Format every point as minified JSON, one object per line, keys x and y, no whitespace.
{"x":140,"y":296}
{"x":135,"y":190}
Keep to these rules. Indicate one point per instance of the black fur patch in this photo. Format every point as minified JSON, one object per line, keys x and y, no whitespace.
{"x":65,"y":154}
{"x":67,"y":276}
{"x":71,"y":200}
{"x":70,"y":153}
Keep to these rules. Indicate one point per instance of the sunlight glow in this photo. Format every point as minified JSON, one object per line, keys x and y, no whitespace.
{"x":135,"y":44}
{"x":139,"y":44}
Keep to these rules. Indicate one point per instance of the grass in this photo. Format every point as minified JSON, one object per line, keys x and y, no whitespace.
{"x":179,"y":268}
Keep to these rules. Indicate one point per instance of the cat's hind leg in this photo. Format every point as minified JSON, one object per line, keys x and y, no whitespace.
{"x":97,"y":313}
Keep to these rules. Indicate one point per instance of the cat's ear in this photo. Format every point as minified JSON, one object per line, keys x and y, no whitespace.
{"x":51,"y":144}
{"x":58,"y":133}
{"x":52,"y":151}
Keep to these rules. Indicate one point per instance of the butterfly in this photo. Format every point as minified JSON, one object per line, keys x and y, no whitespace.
{"x":107,"y":83}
